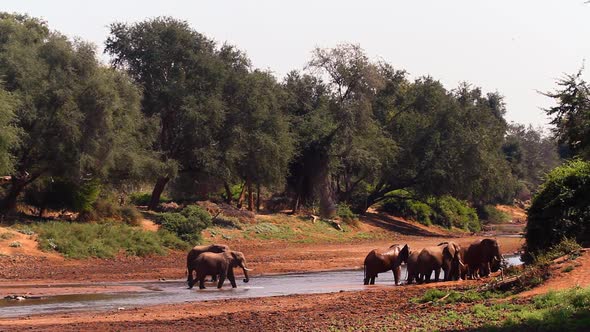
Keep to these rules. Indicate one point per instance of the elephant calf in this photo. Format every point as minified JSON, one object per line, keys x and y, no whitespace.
{"x":378,"y":261}
{"x":221,"y":264}
{"x":196,"y":252}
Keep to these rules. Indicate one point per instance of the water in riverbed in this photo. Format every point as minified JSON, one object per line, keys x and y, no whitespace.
{"x":168,"y":292}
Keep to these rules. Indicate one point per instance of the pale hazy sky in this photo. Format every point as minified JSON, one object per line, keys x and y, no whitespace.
{"x":515,"y":47}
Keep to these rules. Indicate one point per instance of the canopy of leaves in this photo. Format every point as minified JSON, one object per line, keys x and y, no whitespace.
{"x":75,"y":118}
{"x":8,"y":132}
{"x":560,"y":209}
{"x":571,"y":115}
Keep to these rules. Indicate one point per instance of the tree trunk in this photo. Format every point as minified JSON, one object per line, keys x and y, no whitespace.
{"x":228,"y":193}
{"x":242,"y":195}
{"x":327,"y":199}
{"x":298,"y":194}
{"x":250,"y":197}
{"x":258,"y":197}
{"x":8,"y":204}
{"x":157,"y":192}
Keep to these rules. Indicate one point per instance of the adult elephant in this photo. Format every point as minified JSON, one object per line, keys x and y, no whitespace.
{"x":482,"y":257}
{"x":196,"y":252}
{"x":412,"y":267}
{"x":378,"y":261}
{"x":221,"y":264}
{"x":443,"y":257}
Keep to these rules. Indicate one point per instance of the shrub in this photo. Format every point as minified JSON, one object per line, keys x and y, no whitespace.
{"x":560,"y":209}
{"x":228,"y":222}
{"x":144,"y":198}
{"x":408,"y":208}
{"x":345,"y":213}
{"x":492,"y":215}
{"x":59,"y":194}
{"x":130,"y":215}
{"x":77,"y":240}
{"x":450,"y":211}
{"x":187,"y":224}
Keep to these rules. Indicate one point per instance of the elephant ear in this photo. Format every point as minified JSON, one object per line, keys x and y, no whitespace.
{"x":451,"y":250}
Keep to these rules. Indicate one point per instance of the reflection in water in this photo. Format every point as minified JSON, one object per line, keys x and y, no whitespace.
{"x":176,"y":292}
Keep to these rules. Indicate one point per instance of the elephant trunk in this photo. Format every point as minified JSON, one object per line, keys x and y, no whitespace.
{"x":246,"y":278}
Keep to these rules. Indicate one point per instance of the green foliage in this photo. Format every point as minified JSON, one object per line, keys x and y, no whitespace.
{"x":445,"y":210}
{"x":227,"y":222}
{"x":453,"y":296}
{"x":490,"y":214}
{"x":409,"y":208}
{"x":130,"y":215}
{"x":566,"y":310}
{"x":6,"y":236}
{"x":74,"y":117}
{"x":103,"y":240}
{"x":571,"y":115}
{"x":531,"y":154}
{"x":142,"y":199}
{"x":187,"y":224}
{"x":561,"y":208}
{"x":8,"y":131}
{"x":345,"y":213}
{"x":545,"y":257}
{"x":450,"y":211}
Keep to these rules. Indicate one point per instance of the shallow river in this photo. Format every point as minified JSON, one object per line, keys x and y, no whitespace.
{"x":168,"y":292}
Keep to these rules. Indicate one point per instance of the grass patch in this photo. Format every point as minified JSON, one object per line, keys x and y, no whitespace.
{"x":567,"y":310}
{"x":567,"y":269}
{"x":454,"y":296}
{"x":6,"y":236}
{"x":104,"y":240}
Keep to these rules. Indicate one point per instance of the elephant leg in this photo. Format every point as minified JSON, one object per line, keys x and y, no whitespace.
{"x":372,"y":281}
{"x":396,"y":272}
{"x":232,"y":278}
{"x":427,"y":275}
{"x":201,"y":280}
{"x":214,"y":278}
{"x":437,"y":275}
{"x":221,"y":280}
{"x":189,"y":279}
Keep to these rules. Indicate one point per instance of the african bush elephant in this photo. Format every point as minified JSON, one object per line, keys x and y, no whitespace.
{"x":482,"y":257}
{"x":196,"y":252}
{"x":444,"y":257}
{"x":378,"y":261}
{"x":412,"y":266}
{"x":221,"y":264}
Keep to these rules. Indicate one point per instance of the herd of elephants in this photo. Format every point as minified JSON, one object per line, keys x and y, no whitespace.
{"x":478,"y":259}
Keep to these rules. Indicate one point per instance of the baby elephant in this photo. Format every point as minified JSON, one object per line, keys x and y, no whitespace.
{"x":221,"y":264}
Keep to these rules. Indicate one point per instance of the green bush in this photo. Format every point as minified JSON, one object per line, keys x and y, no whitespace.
{"x":560,"y":209}
{"x":492,"y":215}
{"x":130,"y":215}
{"x":346,"y":215}
{"x":105,"y":240}
{"x":59,"y":194}
{"x":228,"y":222}
{"x":445,"y":211}
{"x":187,"y":224}
{"x":450,"y":211}
{"x":144,"y":198}
{"x":408,"y":208}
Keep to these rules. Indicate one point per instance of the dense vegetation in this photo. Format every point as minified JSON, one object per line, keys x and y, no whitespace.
{"x":561,"y":207}
{"x":194,"y":120}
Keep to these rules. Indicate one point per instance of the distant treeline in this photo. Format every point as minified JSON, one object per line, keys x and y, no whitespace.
{"x":188,"y":116}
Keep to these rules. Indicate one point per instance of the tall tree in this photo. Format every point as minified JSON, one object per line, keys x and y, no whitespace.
{"x":352,"y":82}
{"x":182,"y":80}
{"x":68,"y":105}
{"x":8,"y":132}
{"x":571,"y":114}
